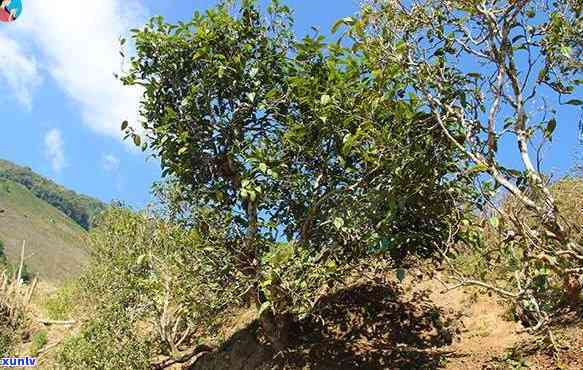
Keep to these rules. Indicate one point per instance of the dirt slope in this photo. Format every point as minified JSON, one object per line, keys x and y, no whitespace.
{"x":400,"y":326}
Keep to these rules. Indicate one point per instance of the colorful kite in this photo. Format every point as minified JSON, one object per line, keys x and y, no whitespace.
{"x":10,"y":10}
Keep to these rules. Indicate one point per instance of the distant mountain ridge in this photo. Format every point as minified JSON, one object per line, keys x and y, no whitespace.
{"x":80,"y":208}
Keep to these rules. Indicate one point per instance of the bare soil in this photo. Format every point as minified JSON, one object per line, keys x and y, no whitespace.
{"x":402,"y":326}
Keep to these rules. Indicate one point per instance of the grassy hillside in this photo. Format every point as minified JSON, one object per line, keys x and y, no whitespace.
{"x":53,"y":241}
{"x":80,"y":208}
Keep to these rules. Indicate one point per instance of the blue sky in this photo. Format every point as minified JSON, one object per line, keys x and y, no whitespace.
{"x":61,"y":108}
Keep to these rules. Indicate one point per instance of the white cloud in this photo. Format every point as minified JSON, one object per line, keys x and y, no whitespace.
{"x":18,"y":71}
{"x":79,"y":44}
{"x":55,"y":149}
{"x":110,"y":162}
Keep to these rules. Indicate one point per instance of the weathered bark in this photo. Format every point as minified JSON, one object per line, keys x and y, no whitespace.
{"x":274,"y":327}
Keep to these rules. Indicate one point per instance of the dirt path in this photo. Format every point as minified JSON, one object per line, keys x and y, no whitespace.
{"x":485,"y":331}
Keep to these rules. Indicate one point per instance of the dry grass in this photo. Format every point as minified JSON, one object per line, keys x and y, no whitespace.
{"x":15,"y":306}
{"x":569,"y":195}
{"x":15,"y":296}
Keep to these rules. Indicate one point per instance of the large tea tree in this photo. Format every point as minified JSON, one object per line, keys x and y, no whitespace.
{"x":314,"y":157}
{"x":205,"y":108}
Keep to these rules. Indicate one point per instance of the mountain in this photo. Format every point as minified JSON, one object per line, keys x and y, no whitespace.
{"x":80,"y":208}
{"x":50,"y":218}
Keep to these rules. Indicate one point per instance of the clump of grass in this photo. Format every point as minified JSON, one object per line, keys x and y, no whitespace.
{"x":39,"y":341}
{"x":60,"y":305}
{"x":15,"y":296}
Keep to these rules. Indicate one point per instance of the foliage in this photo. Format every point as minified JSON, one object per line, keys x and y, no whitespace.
{"x":3,"y":260}
{"x":153,"y":287}
{"x":39,"y":340}
{"x":304,"y":148}
{"x":105,"y":343}
{"x":80,"y":208}
{"x":61,"y":305}
{"x":496,"y":258}
{"x":479,"y":69}
{"x":366,"y":170}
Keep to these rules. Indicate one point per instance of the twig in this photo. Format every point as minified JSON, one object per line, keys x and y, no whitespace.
{"x":56,"y":322}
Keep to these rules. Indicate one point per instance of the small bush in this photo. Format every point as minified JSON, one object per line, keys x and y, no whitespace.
{"x":497,"y":258}
{"x":39,"y":340}
{"x":61,"y":305}
{"x":7,"y":340}
{"x":150,"y":284}
{"x":107,"y":342}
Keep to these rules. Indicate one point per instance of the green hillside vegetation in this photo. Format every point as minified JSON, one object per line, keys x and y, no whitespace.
{"x":54,"y":243}
{"x":3,"y":260}
{"x":80,"y":208}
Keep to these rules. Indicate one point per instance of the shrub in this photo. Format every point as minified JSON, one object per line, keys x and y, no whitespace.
{"x":106,"y":342}
{"x":498,"y":259}
{"x":61,"y":305}
{"x":39,"y":340}
{"x":153,"y":290}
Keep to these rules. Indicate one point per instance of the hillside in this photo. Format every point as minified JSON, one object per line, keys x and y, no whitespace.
{"x":53,"y":241}
{"x":80,"y":208}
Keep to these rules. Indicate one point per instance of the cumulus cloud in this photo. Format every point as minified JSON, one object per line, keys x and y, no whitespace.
{"x":79,"y":44}
{"x":110,"y":163}
{"x":18,"y":70}
{"x":55,"y":150}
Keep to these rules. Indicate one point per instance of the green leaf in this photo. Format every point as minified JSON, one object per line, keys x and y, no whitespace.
{"x":263,"y":167}
{"x":348,"y":21}
{"x":338,"y":222}
{"x":124,"y":125}
{"x":140,"y":260}
{"x":478,"y":168}
{"x":401,"y":273}
{"x":551,"y":125}
{"x":495,"y":222}
{"x":182,"y":150}
{"x":325,"y":99}
{"x":264,"y":306}
{"x":137,"y":140}
{"x":244,"y":194}
{"x":574,"y":102}
{"x":251,"y":96}
{"x":566,"y":51}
